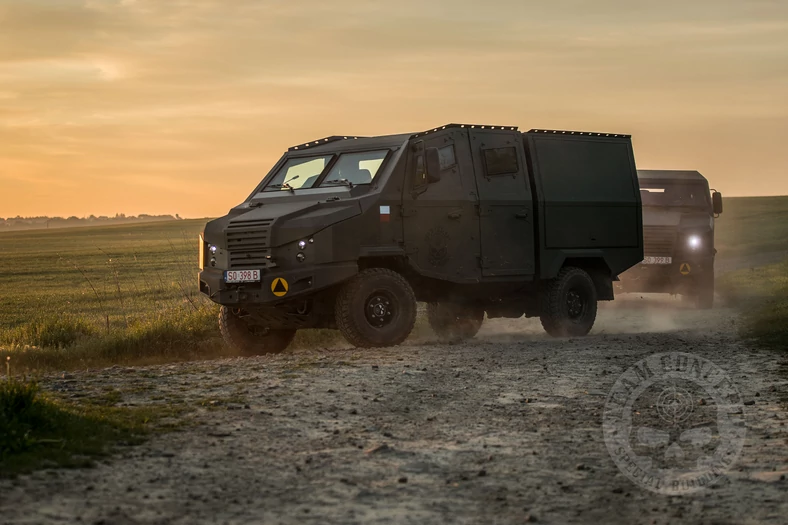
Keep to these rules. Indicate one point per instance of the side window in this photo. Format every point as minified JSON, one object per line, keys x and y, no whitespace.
{"x":500,"y":161}
{"x":419,"y":172}
{"x":446,"y":155}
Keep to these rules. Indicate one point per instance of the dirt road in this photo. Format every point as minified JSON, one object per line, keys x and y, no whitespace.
{"x":504,"y":429}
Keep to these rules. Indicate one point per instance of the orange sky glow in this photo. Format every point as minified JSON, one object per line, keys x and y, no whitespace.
{"x":176,"y":106}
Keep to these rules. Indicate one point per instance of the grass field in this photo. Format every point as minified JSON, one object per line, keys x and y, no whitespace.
{"x":93,"y":296}
{"x":752,"y":225}
{"x":762,"y":296}
{"x":86,"y":297}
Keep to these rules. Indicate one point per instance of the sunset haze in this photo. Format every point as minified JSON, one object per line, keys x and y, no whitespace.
{"x":151,"y":106}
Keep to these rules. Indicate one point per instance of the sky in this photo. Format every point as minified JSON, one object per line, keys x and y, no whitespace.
{"x":182,"y":106}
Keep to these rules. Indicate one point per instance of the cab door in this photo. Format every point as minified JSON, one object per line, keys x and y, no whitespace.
{"x":440,"y":222}
{"x":506,"y":209}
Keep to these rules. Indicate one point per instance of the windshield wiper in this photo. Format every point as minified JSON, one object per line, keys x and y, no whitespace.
{"x":343,"y":182}
{"x":285,"y":184}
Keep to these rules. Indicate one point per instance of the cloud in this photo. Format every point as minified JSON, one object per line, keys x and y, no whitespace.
{"x":176,"y":94}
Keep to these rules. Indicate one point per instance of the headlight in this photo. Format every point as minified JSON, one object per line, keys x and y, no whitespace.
{"x":694,"y":242}
{"x":202,"y":252}
{"x":302,"y":244}
{"x":212,"y":249}
{"x":300,"y":257}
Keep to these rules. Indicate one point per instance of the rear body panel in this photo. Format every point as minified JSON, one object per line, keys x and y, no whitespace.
{"x":587,"y":200}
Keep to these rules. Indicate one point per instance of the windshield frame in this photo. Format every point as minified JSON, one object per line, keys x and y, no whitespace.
{"x":335,"y":155}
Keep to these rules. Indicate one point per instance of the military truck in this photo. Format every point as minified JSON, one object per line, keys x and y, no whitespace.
{"x":678,"y":225}
{"x":349,"y":233}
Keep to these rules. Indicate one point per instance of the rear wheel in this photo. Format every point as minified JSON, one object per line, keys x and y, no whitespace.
{"x":239,"y":335}
{"x":376,"y":308}
{"x":569,"y":303}
{"x":454,"y":322}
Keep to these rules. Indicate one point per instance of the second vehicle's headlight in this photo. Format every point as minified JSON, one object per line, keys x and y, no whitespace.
{"x":694,"y":242}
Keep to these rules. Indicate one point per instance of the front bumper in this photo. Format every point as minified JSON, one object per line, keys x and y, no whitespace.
{"x":275,"y":287}
{"x":682,"y":276}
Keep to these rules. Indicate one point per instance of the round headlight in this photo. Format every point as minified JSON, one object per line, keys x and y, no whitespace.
{"x":302,"y":244}
{"x":212,"y":248}
{"x":300,"y":257}
{"x":694,"y":241}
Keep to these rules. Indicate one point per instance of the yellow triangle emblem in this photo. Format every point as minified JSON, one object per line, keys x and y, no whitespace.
{"x":279,"y":287}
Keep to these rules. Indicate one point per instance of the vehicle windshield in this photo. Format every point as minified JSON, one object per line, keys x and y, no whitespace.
{"x":355,"y":168}
{"x":350,"y":169}
{"x":298,"y":173}
{"x":670,"y":193}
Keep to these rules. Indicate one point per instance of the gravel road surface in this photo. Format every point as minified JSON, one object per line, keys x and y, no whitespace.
{"x":506,"y":428}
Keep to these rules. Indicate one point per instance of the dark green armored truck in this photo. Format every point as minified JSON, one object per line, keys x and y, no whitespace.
{"x":350,"y":232}
{"x":678,"y":229}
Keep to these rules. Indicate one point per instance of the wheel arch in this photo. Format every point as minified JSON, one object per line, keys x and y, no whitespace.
{"x":599,"y":271}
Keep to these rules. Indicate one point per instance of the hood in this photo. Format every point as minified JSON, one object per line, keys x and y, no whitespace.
{"x":653,"y":216}
{"x":661,"y":217}
{"x":286,"y":218}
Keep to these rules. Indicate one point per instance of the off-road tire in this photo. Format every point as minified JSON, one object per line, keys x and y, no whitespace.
{"x":704,"y":296}
{"x":354,"y":300}
{"x":555,"y":309}
{"x":454,"y":322}
{"x":240,"y":337}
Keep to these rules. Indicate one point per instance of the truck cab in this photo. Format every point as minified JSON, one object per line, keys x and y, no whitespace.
{"x":349,"y":232}
{"x":679,"y":212}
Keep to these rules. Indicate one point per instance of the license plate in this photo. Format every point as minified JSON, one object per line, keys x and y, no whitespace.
{"x":658,"y":260}
{"x":242,"y":276}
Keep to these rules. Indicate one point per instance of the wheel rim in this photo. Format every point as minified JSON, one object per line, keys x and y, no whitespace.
{"x":380,"y":309}
{"x":575,"y":304}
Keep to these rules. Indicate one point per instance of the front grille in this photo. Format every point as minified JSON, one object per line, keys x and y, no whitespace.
{"x":249,"y":224}
{"x":659,"y":241}
{"x":248,"y":242}
{"x":249,"y":259}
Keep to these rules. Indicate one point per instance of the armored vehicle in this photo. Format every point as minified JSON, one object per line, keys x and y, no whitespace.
{"x":350,"y":232}
{"x":678,"y":224}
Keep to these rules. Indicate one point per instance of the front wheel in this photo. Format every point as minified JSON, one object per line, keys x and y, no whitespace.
{"x":454,"y":322}
{"x":376,"y":308}
{"x":247,"y":339}
{"x":569,"y":303}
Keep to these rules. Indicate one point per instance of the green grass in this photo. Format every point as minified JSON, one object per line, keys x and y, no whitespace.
{"x":37,"y":431}
{"x":89,"y":297}
{"x":762,"y":296}
{"x":95,"y":296}
{"x":108,"y":275}
{"x":752,"y":225}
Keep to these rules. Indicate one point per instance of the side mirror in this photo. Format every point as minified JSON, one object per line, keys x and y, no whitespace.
{"x":433,"y":162}
{"x":716,"y":202}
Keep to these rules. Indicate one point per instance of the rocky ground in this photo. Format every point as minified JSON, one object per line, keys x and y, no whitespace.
{"x":506,"y":428}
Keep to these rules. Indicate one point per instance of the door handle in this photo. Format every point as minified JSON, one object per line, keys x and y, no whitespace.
{"x":455,"y":215}
{"x":521,"y":215}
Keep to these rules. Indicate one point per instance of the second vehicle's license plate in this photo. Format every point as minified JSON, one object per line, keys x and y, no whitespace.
{"x":658,"y":260}
{"x":242,"y":276}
